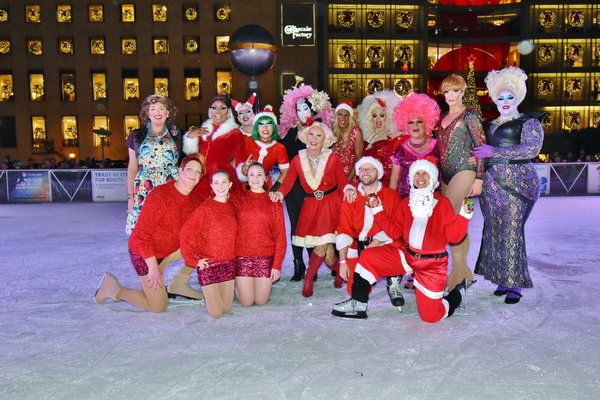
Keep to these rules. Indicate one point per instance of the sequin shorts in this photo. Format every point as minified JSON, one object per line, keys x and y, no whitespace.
{"x":139,"y":264}
{"x":254,"y":267}
{"x":217,"y":272}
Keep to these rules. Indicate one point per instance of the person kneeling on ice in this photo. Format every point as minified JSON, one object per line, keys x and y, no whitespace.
{"x":426,"y":221}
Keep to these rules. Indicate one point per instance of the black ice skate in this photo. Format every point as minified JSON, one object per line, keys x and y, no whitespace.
{"x":350,"y":309}
{"x":393,"y":290}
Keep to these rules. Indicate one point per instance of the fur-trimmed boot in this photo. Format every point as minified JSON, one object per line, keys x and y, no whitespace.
{"x":109,"y":288}
{"x":179,"y":285}
{"x":313,"y":267}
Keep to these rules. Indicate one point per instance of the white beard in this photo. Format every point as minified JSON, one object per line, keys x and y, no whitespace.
{"x":421,"y":202}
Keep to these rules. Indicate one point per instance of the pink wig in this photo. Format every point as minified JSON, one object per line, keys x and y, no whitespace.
{"x":287,"y":111}
{"x":417,"y":105}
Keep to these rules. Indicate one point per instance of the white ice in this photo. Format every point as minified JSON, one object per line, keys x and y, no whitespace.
{"x":55,"y":343}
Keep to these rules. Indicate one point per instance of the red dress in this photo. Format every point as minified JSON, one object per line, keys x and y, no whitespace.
{"x":320,"y":212}
{"x":223,"y":146}
{"x":268,"y":154}
{"x":210,"y":233}
{"x":261,"y":228}
{"x":347,"y":154}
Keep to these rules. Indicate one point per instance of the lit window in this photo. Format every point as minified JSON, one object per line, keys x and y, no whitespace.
{"x":3,"y":14}
{"x":36,"y":87}
{"x":161,"y":86}
{"x":97,"y":46}
{"x":128,"y":12}
{"x":130,"y":122}
{"x":38,"y":132}
{"x":161,"y":46}
{"x":32,"y":14}
{"x":131,"y":89}
{"x":34,"y":47}
{"x":101,"y":122}
{"x":63,"y":13}
{"x":65,"y":46}
{"x":69,"y":131}
{"x":96,"y":13}
{"x":99,"y":86}
{"x":5,"y":46}
{"x":128,"y":46}
{"x":67,"y":83}
{"x":6,"y":87}
{"x":159,"y":12}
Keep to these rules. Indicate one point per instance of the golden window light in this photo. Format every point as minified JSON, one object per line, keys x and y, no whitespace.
{"x":5,"y":46}
{"x":346,"y":19}
{"x":36,"y":87}
{"x":159,"y":12}
{"x":223,"y":82}
{"x":221,"y":43}
{"x":98,"y":86}
{"x":101,"y":122}
{"x":192,"y":88}
{"x":127,"y":12}
{"x":97,"y":46}
{"x":131,"y":89}
{"x":405,"y":19}
{"x":547,"y":18}
{"x":347,"y":88}
{"x":69,"y":131}
{"x":130,"y":122}
{"x":3,"y":14}
{"x":96,"y":13}
{"x":33,"y":14}
{"x":347,"y":53}
{"x":191,"y":45}
{"x":161,"y":46}
{"x":65,"y":46}
{"x":128,"y":46}
{"x":34,"y":47}
{"x":6,"y":87}
{"x":403,"y":87}
{"x":161,"y":86}
{"x":374,"y":85}
{"x":38,"y":132}
{"x":375,"y":19}
{"x":546,"y":52}
{"x":68,"y":86}
{"x":191,"y":13}
{"x":222,"y":12}
{"x":575,"y":18}
{"x":63,"y":13}
{"x":545,"y":86}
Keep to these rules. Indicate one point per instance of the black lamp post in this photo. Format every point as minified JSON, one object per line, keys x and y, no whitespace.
{"x":104,"y":134}
{"x":252,"y":52}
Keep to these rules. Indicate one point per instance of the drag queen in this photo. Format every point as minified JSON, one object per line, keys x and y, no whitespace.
{"x":301,"y":106}
{"x":245,"y":114}
{"x":511,"y":185}
{"x":458,"y":133}
{"x":263,"y":147}
{"x":349,"y":144}
{"x":208,"y":243}
{"x":379,"y":132}
{"x":324,"y":182}
{"x":417,"y":115}
{"x":261,"y":240}
{"x":220,"y":141}
{"x":154,"y":243}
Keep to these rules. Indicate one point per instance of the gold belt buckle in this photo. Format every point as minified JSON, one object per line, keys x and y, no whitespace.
{"x":319,"y":194}
{"x":417,"y":255}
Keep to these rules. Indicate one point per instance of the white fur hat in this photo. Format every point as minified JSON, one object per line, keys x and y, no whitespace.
{"x":267,"y":112}
{"x":427,"y":166}
{"x":345,"y":105}
{"x":371,"y":160}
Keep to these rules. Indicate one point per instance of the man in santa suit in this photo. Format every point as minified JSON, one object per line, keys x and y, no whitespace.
{"x":426,"y":221}
{"x":357,"y":229}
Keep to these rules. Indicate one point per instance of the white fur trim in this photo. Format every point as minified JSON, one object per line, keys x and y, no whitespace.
{"x":465,"y":214}
{"x":383,"y":237}
{"x":240,"y":174}
{"x":314,"y":180}
{"x":365,"y":274}
{"x":370,"y":160}
{"x":428,"y":293}
{"x":377,"y":209}
{"x":284,"y":166}
{"x":343,"y":240}
{"x":225,"y":127}
{"x":264,"y":149}
{"x":190,"y":145}
{"x":313,"y":241}
{"x":424,"y":165}
{"x":345,"y":106}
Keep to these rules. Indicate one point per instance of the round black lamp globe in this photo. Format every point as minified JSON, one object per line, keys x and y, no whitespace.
{"x":252,"y":50}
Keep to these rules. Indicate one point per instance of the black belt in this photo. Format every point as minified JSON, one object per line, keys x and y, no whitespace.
{"x":503,"y":161}
{"x":418,"y":255}
{"x":362,"y":244}
{"x":319,"y":194}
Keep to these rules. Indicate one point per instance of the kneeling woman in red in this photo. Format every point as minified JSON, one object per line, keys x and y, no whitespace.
{"x":261,"y":240}
{"x":208,"y":243}
{"x":323,"y":180}
{"x":154,"y":242}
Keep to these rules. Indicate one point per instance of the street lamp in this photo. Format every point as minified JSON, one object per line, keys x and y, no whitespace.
{"x":252,"y":52}
{"x":103,"y":134}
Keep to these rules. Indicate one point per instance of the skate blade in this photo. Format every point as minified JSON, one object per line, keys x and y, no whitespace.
{"x":358,"y":315}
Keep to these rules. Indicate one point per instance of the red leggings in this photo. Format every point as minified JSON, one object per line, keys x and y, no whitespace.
{"x":430,"y":276}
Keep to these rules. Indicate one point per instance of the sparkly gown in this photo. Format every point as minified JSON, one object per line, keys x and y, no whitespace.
{"x":347,"y":154}
{"x":456,"y":142}
{"x":382,"y":150}
{"x":510,"y":190}
{"x":404,"y":156}
{"x":157,"y":158}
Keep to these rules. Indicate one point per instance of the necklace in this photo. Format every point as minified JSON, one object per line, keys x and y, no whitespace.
{"x":417,"y":145}
{"x":314,"y":161}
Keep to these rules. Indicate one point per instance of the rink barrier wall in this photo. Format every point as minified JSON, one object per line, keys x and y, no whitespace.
{"x":110,"y":185}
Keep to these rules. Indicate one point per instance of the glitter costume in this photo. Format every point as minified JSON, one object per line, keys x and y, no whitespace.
{"x":510,"y":190}
{"x":320,"y":212}
{"x":261,"y":235}
{"x":157,"y":230}
{"x":346,"y":151}
{"x":404,"y":156}
{"x":157,"y":158}
{"x":456,"y":142}
{"x":210,"y":233}
{"x":382,"y":150}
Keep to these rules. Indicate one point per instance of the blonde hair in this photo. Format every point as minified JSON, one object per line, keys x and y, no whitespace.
{"x":453,"y":82}
{"x":511,"y":78}
{"x":330,"y":138}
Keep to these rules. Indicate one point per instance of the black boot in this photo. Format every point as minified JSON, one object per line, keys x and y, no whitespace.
{"x":454,"y":299}
{"x":299,"y":269}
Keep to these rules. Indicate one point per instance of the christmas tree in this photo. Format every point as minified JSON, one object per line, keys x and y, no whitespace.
{"x":470,"y":98}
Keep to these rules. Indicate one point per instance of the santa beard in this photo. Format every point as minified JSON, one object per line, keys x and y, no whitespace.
{"x":421,"y":202}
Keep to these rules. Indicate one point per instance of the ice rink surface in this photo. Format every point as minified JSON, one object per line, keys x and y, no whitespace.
{"x":55,"y":343}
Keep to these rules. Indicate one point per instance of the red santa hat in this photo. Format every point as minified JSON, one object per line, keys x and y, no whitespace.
{"x":370,"y":160}
{"x":267,"y":112}
{"x":249,"y":103}
{"x":427,"y":166}
{"x":345,"y":105}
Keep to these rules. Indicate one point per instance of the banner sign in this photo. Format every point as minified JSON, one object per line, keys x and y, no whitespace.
{"x":3,"y":187}
{"x":28,"y":186}
{"x":298,"y":27}
{"x":543,"y":171}
{"x":109,"y":185}
{"x":593,"y":183}
{"x":71,"y":185}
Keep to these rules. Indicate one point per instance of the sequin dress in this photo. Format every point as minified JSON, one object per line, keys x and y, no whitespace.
{"x":157,"y":159}
{"x":347,"y":154}
{"x":456,"y":142}
{"x":510,"y":189}
{"x":404,"y":156}
{"x":382,"y":150}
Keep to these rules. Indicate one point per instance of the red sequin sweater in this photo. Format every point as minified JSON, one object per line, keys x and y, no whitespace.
{"x":164,"y":213}
{"x":261,"y":228}
{"x":209,"y":233}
